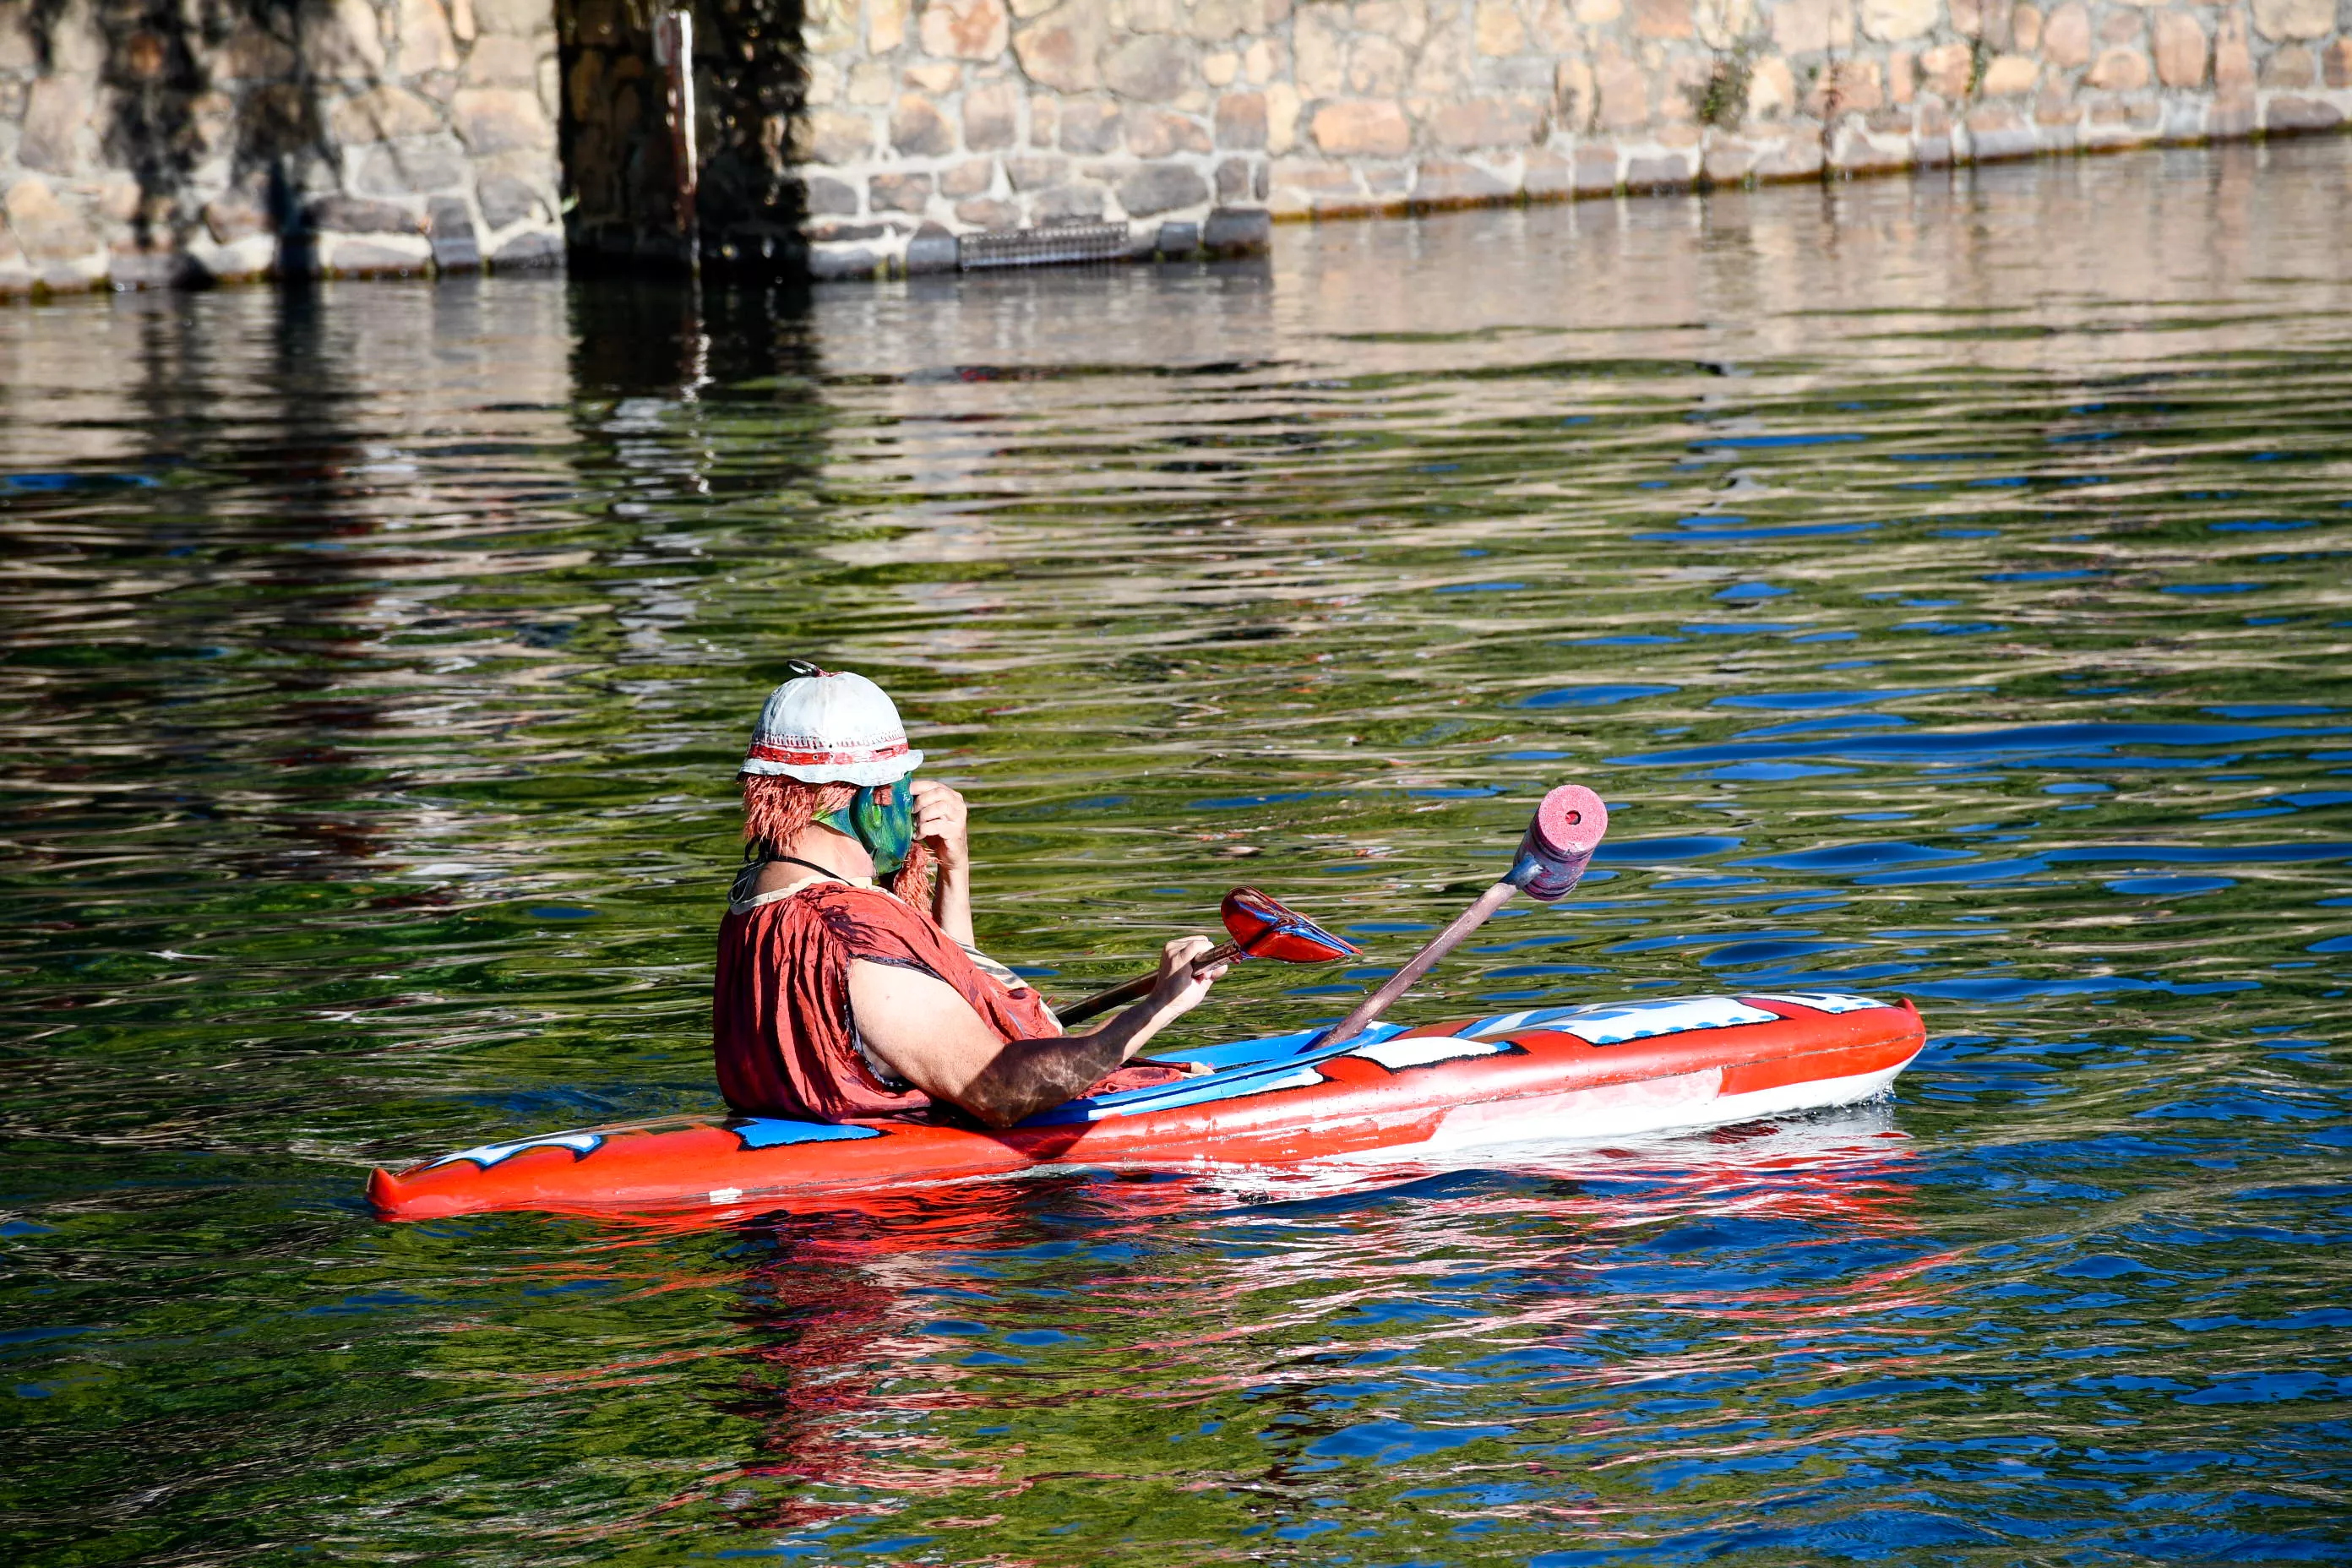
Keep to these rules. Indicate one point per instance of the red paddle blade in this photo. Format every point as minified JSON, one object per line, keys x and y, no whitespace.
{"x":1264,"y":928}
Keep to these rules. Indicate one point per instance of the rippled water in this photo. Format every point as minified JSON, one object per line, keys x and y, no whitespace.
{"x":1945,"y":584}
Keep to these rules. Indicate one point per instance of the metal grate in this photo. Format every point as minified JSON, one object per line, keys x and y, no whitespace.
{"x":1043,"y":247}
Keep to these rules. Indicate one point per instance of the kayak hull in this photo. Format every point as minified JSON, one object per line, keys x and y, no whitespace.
{"x":1547,"y":1075}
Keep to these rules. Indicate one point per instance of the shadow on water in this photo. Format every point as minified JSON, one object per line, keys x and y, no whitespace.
{"x":180,"y":411}
{"x":665,"y":338}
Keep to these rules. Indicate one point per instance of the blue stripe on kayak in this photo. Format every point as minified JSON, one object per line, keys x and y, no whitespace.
{"x":1252,"y":1053}
{"x":1292,"y":1070}
{"x":1193,"y":1091}
{"x":774,"y":1132}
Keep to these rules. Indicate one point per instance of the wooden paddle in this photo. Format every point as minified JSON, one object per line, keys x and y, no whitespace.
{"x":1553,"y":855}
{"x":1261,"y":927}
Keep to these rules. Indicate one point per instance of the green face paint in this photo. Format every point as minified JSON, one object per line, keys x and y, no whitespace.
{"x":882,"y":818}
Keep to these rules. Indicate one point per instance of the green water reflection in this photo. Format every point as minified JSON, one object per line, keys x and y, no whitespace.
{"x":1944,"y":582}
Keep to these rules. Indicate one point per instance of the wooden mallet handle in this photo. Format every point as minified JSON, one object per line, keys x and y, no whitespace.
{"x":1135,"y":990}
{"x":1553,"y":855}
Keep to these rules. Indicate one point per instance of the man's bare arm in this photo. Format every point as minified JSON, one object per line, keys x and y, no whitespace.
{"x":940,"y":821}
{"x":923,"y":1029}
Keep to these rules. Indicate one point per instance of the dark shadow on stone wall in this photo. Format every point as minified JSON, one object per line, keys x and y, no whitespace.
{"x":175,"y":81}
{"x":160,"y":108}
{"x":750,"y":87}
{"x":753,"y":86}
{"x":152,"y":78}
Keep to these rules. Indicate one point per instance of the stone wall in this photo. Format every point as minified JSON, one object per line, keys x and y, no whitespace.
{"x":149,"y":141}
{"x":928,"y":121}
{"x":160,"y":142}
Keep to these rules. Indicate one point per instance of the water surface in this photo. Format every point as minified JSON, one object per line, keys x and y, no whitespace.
{"x":1944,"y":582}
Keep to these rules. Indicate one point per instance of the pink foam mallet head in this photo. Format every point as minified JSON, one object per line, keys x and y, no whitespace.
{"x":1559,"y":843}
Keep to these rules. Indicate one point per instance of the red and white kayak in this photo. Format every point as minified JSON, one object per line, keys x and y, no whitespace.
{"x":1610,"y":1071}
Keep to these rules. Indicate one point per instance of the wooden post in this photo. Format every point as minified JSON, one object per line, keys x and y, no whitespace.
{"x":674,"y":53}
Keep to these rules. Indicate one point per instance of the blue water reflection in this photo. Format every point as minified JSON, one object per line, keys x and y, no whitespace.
{"x":374,"y":671}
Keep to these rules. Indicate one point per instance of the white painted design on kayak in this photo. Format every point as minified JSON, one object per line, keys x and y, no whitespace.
{"x":1685,"y":1102}
{"x":1398,"y":1055}
{"x":490,"y":1154}
{"x":1599,"y":1112}
{"x":1820,"y":1001}
{"x":1642,"y":1021}
{"x":1615,"y":1023}
{"x":1826,"y":1146}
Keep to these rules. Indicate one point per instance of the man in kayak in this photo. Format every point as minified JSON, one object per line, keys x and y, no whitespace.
{"x":840,"y":998}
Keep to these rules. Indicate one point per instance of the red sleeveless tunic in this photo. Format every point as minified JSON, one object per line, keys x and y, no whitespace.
{"x":782,"y":1032}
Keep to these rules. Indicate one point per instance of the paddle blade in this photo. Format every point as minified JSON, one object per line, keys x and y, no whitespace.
{"x":1559,"y":843}
{"x":1263,"y":928}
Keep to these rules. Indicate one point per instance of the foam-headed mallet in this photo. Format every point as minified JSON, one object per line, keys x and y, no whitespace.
{"x":1557,"y":848}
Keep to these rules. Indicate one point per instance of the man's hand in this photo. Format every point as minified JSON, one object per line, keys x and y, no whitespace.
{"x":1181,"y":987}
{"x":940,"y":822}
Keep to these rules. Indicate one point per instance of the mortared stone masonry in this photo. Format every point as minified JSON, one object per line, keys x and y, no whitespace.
{"x":931,"y":123}
{"x":158,"y":141}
